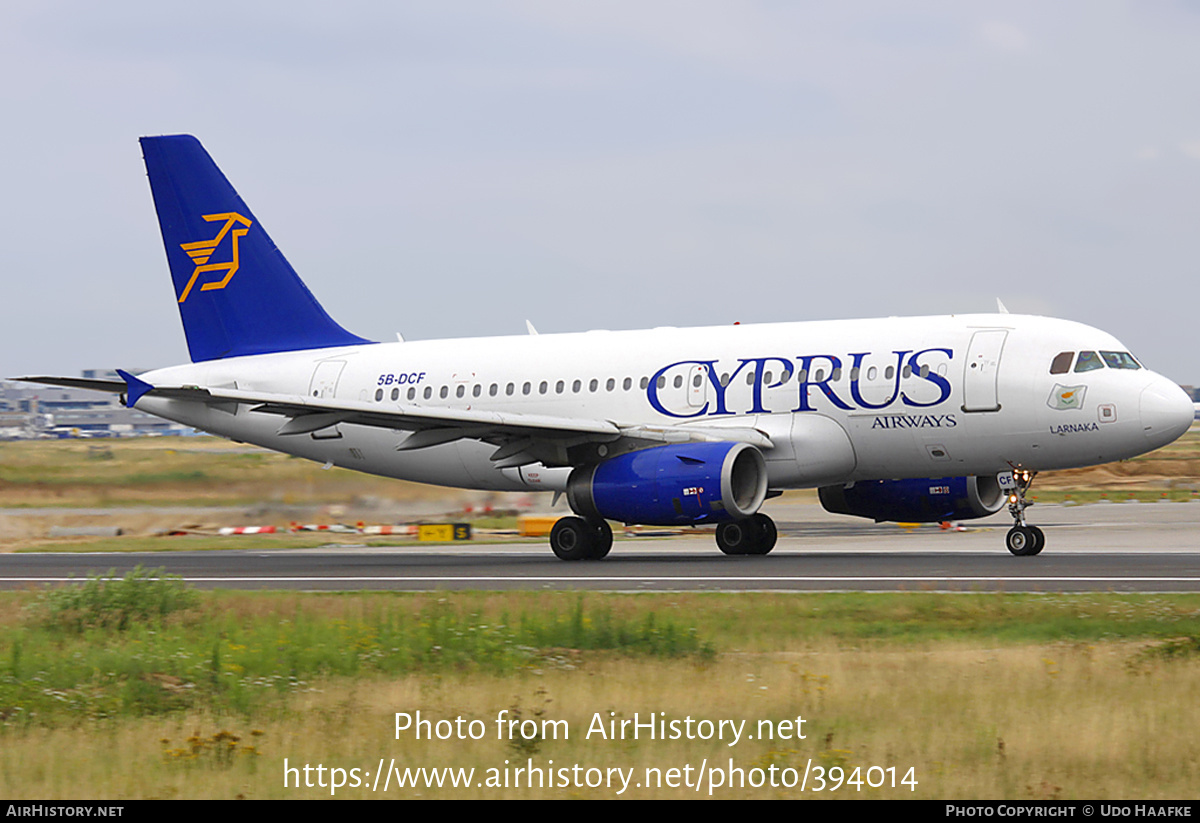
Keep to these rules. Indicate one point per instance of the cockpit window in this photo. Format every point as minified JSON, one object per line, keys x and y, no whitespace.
{"x":1088,"y":360}
{"x":1119,"y":360}
{"x":1062,"y":363}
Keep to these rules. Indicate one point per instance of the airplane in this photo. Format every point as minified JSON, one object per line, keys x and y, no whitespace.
{"x":920,"y":419}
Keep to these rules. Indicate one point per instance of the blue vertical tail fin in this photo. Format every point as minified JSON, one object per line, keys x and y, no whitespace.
{"x":237,"y":293}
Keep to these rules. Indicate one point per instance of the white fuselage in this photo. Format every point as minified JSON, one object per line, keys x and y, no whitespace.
{"x":840,"y":400}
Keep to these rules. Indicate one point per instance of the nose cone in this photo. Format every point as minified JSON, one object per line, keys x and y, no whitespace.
{"x":1166,"y":412}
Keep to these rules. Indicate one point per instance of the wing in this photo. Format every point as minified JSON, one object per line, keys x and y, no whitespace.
{"x":519,"y":438}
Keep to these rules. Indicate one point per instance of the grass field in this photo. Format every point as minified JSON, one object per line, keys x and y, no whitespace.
{"x":176,"y":471}
{"x":988,"y":695}
{"x":143,"y":690}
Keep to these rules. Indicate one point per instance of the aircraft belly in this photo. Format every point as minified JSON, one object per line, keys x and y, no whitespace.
{"x":933,"y":443}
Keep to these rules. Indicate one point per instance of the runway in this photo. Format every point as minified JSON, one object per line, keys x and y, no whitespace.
{"x":1114,"y":547}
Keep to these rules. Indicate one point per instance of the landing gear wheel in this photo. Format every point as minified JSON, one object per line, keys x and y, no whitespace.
{"x":735,"y":537}
{"x":754,"y":535}
{"x":573,"y":538}
{"x":604,"y":539}
{"x":1039,"y":539}
{"x":766,"y":534}
{"x":1023,"y":541}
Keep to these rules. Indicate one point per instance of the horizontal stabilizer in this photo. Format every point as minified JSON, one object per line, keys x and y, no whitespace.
{"x":136,"y":388}
{"x":113,"y":386}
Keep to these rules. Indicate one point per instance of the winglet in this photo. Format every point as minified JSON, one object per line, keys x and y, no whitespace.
{"x":135,"y":388}
{"x":1000,"y":307}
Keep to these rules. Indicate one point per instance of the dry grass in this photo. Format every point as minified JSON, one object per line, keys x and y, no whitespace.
{"x":1053,"y":721}
{"x":177,"y":470}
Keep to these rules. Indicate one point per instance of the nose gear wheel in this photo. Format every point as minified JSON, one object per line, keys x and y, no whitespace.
{"x":1022,"y":540}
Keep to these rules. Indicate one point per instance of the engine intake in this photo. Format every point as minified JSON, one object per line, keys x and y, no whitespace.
{"x":919,"y":500}
{"x":673,"y":485}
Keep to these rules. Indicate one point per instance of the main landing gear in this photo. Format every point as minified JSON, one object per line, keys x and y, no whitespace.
{"x":754,"y":535}
{"x":576,"y":538}
{"x":1022,"y":540}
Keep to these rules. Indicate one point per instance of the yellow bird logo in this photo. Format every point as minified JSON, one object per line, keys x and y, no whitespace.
{"x":201,"y":252}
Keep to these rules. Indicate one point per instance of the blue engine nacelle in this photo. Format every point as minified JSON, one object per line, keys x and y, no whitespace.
{"x":673,"y":485}
{"x":921,"y":500}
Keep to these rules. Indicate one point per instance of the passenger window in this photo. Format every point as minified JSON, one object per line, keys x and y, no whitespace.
{"x":576,"y":386}
{"x":395,"y":394}
{"x":412,"y":394}
{"x":1062,"y":362}
{"x":1119,"y":360}
{"x":627,"y":384}
{"x":1088,"y":361}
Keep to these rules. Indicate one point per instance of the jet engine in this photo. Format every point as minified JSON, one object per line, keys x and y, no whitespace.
{"x":673,"y":485}
{"x":920,"y":500}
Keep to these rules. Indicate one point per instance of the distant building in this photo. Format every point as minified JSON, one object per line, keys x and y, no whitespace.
{"x":29,"y":411}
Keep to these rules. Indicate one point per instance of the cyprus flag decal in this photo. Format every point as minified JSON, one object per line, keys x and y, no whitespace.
{"x":1066,"y":397}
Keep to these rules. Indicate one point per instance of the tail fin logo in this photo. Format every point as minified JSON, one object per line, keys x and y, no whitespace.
{"x":201,"y":251}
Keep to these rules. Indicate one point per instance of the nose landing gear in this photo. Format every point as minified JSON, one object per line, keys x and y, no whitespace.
{"x":1022,"y":540}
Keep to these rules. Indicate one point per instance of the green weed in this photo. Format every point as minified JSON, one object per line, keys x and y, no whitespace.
{"x":142,"y":596}
{"x":106,"y":647}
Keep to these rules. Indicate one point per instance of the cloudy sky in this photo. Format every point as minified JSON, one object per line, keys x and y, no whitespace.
{"x":448,"y":169}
